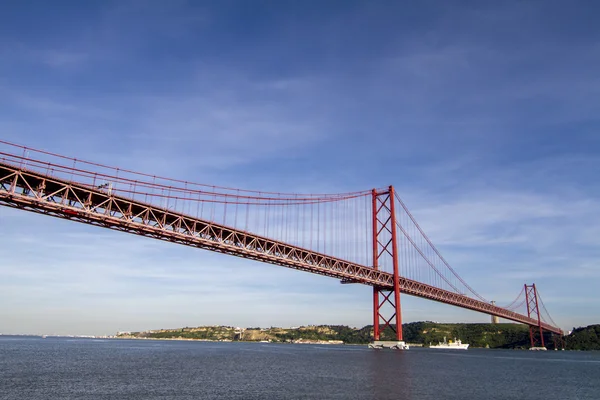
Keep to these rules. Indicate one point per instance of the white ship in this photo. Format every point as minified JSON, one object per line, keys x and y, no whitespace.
{"x":456,"y":344}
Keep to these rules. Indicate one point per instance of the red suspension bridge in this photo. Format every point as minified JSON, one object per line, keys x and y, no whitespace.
{"x":366,"y":237}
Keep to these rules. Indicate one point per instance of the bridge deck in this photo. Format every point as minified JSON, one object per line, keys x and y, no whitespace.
{"x":38,"y":192}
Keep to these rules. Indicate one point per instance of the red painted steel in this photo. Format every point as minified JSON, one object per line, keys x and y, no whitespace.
{"x":531,"y":298}
{"x":559,"y":341}
{"x":435,"y":250}
{"x":40,"y":192}
{"x":384,"y":218}
{"x":394,"y":240}
{"x":376,"y":333}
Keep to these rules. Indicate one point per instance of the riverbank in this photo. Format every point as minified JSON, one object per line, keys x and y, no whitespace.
{"x":498,"y":336}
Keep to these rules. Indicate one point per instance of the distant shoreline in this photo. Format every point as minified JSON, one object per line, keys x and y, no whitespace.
{"x":412,"y":345}
{"x":416,"y":334}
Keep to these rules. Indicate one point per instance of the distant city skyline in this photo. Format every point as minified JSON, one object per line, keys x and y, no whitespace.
{"x":484,"y":117}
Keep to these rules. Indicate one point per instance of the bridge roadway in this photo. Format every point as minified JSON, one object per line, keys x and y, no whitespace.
{"x":38,"y":192}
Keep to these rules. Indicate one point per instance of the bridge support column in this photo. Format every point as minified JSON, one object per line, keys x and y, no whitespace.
{"x":533,"y":311}
{"x":559,"y":341}
{"x":387,"y":312}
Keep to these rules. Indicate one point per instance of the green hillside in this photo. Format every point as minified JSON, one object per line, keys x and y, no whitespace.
{"x":493,"y":336}
{"x":503,"y":336}
{"x":587,"y":338}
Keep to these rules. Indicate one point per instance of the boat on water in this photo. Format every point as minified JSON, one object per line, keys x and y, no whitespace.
{"x":456,"y":344}
{"x":543,"y":348}
{"x":386,"y":344}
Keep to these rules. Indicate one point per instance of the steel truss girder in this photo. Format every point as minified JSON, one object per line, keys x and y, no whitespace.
{"x":40,"y":193}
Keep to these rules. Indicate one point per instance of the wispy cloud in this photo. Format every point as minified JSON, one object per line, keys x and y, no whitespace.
{"x":63,"y":59}
{"x":483,"y":116}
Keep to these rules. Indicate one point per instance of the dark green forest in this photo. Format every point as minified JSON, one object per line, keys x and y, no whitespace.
{"x":587,"y":338}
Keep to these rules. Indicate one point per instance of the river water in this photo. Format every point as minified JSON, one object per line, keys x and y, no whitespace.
{"x":64,"y":368}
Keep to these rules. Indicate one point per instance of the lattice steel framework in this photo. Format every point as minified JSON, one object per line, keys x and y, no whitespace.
{"x":386,"y":300}
{"x":533,"y":311}
{"x":42,"y":193}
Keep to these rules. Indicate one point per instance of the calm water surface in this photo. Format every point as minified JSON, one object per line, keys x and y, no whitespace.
{"x":62,"y":368}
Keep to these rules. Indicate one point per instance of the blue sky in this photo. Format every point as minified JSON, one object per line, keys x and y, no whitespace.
{"x":484,"y":115}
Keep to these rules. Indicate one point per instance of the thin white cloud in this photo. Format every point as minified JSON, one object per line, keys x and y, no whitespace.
{"x":464,"y":125}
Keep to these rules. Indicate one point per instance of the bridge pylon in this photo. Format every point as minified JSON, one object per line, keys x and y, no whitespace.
{"x":533,"y":311}
{"x":386,"y":302}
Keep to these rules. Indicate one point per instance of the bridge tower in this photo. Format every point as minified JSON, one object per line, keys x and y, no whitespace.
{"x":533,"y":311}
{"x":386,"y":302}
{"x":495,"y":319}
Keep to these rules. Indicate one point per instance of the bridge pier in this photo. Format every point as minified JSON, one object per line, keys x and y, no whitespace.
{"x":388,"y":344}
{"x":495,"y":319}
{"x":559,"y":341}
